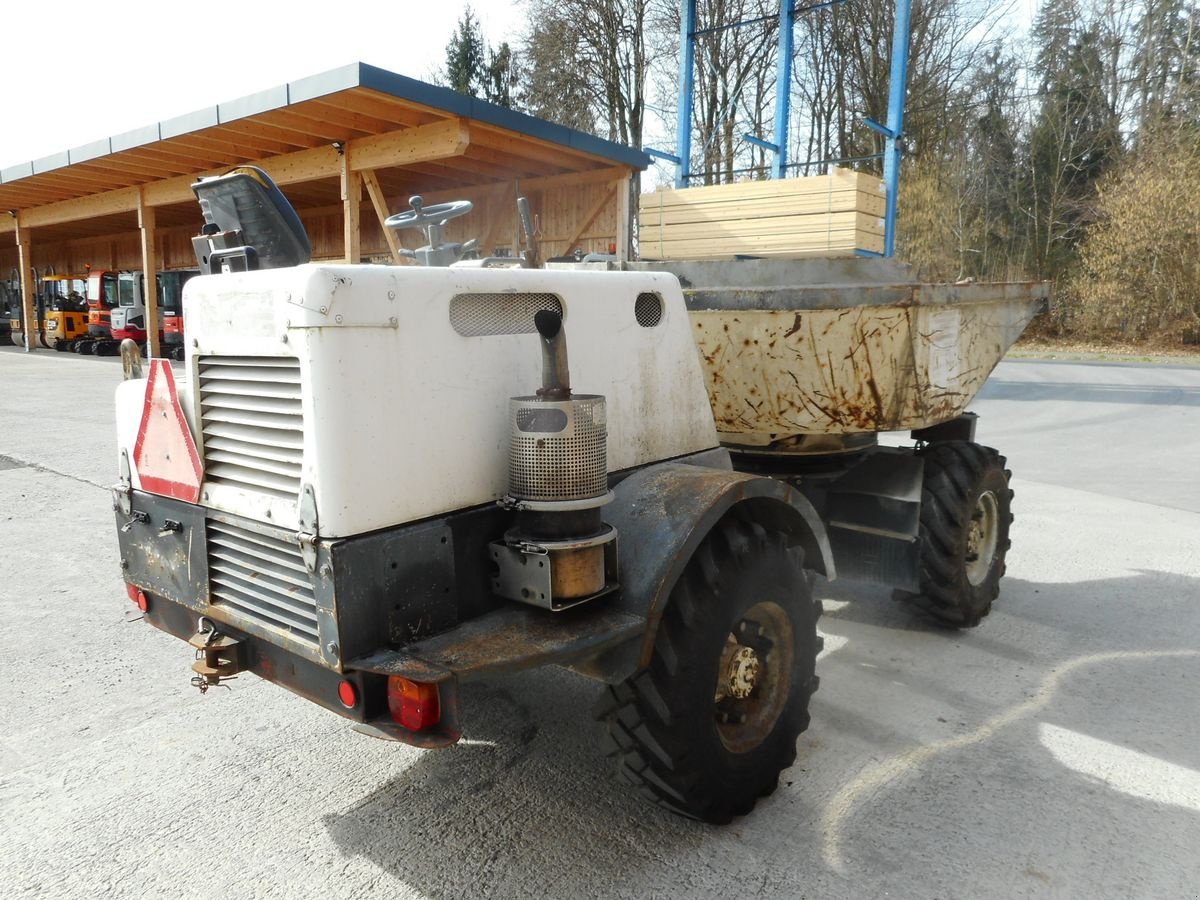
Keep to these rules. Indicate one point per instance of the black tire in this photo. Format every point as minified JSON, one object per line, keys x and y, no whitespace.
{"x":966,"y":511}
{"x":672,"y":738}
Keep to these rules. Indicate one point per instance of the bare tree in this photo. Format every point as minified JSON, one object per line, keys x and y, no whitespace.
{"x":603,"y":43}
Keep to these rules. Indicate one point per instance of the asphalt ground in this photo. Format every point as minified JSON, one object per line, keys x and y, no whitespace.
{"x":1052,"y":752}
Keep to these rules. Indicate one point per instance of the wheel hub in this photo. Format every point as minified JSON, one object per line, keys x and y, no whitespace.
{"x":740,"y":666}
{"x":754,"y":676}
{"x":982,"y":537}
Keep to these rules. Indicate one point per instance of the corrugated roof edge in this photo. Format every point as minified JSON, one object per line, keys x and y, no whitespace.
{"x":471,"y":107}
{"x":343,"y":78}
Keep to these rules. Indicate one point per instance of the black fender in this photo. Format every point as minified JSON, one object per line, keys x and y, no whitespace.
{"x":663,"y":512}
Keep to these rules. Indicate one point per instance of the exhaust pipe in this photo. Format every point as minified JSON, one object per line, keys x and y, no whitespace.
{"x":556,"y":377}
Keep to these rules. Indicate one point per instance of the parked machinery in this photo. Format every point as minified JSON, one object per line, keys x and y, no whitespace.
{"x":103,"y":296}
{"x":309,"y":504}
{"x":170,"y":307}
{"x":66,"y":319}
{"x":46,"y":287}
{"x":10,"y":305}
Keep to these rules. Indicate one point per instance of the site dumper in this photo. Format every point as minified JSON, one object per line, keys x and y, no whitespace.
{"x":373,"y":484}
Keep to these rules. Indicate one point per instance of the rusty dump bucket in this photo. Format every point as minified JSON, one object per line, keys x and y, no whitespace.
{"x":795,"y":348}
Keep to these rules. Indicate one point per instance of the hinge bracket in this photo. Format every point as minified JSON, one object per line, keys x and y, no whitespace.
{"x":309,"y":531}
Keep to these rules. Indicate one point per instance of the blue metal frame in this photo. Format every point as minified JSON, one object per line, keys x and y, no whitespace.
{"x":687,"y":72}
{"x":893,"y":132}
{"x":783,"y":86}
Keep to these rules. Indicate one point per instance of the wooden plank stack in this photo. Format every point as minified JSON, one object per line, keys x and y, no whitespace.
{"x":823,"y":215}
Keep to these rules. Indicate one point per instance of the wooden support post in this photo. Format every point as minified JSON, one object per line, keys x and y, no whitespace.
{"x":371,"y":180}
{"x":28,"y":301}
{"x":351,"y":207}
{"x":624,"y":218}
{"x":146,"y":222}
{"x":517,"y":231}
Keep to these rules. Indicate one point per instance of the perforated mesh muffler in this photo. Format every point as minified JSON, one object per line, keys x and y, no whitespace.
{"x":558,"y":450}
{"x":559,"y":553}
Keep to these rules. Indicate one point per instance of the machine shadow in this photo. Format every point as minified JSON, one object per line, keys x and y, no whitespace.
{"x":530,"y":799}
{"x":1038,"y":630}
{"x":1074,"y":728}
{"x":528,"y":805}
{"x":1064,"y":606}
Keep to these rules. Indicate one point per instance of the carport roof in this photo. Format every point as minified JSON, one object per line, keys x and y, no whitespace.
{"x":336,"y":107}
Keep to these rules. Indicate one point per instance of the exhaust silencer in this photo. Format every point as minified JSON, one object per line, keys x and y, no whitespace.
{"x":559,"y":553}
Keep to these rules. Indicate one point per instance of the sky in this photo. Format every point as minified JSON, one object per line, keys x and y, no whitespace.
{"x":80,"y":72}
{"x":77,"y":72}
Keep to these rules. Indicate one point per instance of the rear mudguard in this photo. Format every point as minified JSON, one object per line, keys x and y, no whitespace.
{"x":663,"y":512}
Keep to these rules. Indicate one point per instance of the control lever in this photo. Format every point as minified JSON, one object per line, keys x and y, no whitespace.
{"x":529,"y":257}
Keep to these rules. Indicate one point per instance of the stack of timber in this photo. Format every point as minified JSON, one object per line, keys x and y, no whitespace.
{"x":824,"y":215}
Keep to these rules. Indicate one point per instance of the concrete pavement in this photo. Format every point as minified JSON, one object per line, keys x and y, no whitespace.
{"x":1052,"y":752}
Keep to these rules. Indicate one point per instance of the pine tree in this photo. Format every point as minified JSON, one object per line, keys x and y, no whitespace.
{"x":466,"y":66}
{"x":1075,"y":138}
{"x":1166,"y":61}
{"x":992,"y":148}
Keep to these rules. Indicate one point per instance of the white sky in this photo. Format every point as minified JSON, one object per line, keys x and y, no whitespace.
{"x":77,"y":72}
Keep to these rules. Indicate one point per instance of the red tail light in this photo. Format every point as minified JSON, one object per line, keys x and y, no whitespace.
{"x":137,"y":596}
{"x":413,"y":704}
{"x":348,"y":695}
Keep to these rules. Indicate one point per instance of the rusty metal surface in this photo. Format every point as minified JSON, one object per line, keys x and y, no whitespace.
{"x":170,"y":564}
{"x":509,"y":639}
{"x":664,"y":512}
{"x":173,"y":564}
{"x":261,"y":657}
{"x":784,"y":362}
{"x":394,"y":586}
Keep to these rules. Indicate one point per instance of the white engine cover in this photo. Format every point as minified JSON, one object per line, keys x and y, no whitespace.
{"x":404,"y":416}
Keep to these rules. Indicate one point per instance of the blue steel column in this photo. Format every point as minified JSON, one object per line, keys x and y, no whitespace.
{"x":895,"y":121}
{"x":687,"y":65}
{"x":783,"y":87}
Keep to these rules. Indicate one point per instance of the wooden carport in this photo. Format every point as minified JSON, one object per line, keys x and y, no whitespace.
{"x":348,"y":147}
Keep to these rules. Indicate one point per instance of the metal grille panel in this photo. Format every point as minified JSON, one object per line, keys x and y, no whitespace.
{"x":559,"y":463}
{"x":261,"y":576}
{"x":252,"y":422}
{"x":648,"y":309}
{"x":480,"y":315}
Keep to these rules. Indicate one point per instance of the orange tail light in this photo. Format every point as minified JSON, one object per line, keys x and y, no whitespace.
{"x":413,"y":704}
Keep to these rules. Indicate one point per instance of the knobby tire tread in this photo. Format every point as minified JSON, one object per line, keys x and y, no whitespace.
{"x":643,"y":731}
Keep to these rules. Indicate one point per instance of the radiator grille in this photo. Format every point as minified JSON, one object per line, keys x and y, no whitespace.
{"x":262,"y":577}
{"x":252,"y":423}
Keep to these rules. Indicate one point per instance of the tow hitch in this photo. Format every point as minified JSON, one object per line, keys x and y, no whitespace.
{"x":217,"y":656}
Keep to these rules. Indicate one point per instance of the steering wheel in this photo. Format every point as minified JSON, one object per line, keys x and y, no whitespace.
{"x":421,"y":216}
